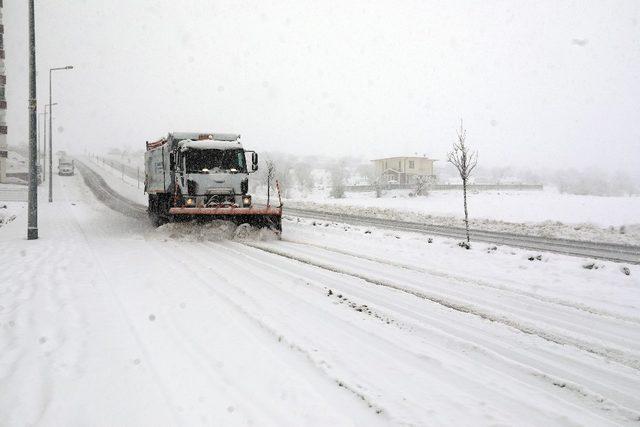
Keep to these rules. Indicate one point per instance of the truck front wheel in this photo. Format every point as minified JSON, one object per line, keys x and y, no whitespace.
{"x":154,"y":210}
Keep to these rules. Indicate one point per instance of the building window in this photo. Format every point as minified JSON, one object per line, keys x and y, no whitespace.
{"x":411,"y":164}
{"x":400,"y":165}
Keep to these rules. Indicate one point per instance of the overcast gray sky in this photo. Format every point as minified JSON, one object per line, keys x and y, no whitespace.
{"x":540,"y":83}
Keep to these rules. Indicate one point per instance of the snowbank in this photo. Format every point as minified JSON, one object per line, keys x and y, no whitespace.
{"x":9,"y":212}
{"x":533,"y":213}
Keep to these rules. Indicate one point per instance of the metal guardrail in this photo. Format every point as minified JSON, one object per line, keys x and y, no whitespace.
{"x":13,"y":194}
{"x":135,"y":173}
{"x":445,"y":187}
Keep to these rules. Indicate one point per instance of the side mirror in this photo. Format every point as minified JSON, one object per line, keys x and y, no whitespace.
{"x":254,"y":161}
{"x":172,"y":161}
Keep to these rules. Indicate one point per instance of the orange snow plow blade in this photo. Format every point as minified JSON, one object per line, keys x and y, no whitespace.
{"x":226,"y":211}
{"x":259,"y":217}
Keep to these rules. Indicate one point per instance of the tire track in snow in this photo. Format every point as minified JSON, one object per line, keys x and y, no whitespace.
{"x":471,"y":384}
{"x":609,"y":332}
{"x":199,"y":353}
{"x":614,"y":355}
{"x":593,"y":398}
{"x":109,"y":197}
{"x":476,"y":282}
{"x":283,"y":340}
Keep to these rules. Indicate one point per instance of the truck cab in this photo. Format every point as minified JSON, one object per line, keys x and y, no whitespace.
{"x":211,"y":173}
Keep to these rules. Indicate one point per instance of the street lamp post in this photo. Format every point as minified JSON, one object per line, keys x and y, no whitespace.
{"x":44,"y":142}
{"x":68,"y":67}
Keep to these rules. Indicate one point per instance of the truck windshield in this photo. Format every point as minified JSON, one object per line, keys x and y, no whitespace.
{"x":203,"y":161}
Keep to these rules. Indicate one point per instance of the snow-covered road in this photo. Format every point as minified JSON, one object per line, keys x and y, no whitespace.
{"x":105,"y":320}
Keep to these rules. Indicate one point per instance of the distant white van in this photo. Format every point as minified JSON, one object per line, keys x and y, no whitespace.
{"x":66,"y":167}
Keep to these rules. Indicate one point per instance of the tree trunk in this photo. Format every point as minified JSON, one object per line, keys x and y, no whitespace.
{"x":466,"y":213}
{"x":268,"y":190}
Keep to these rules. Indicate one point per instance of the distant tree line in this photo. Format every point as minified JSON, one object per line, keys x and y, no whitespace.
{"x":304,"y":173}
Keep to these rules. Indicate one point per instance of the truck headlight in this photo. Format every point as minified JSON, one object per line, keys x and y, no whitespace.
{"x":246,"y":201}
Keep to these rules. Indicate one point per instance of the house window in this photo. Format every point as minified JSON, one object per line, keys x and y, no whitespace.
{"x":411,"y":164}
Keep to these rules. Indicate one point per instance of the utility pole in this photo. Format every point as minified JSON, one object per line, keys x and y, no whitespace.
{"x":68,"y":67}
{"x":32,"y":223}
{"x":4,"y":148}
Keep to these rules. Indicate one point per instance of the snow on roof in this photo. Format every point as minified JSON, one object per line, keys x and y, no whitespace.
{"x":208,"y":144}
{"x":199,"y":135}
{"x":404,"y":157}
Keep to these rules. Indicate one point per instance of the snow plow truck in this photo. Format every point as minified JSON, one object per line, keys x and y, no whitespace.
{"x":204,"y":176}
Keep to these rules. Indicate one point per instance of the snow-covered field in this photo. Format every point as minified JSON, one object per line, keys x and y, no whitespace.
{"x":105,"y":320}
{"x":510,"y":206}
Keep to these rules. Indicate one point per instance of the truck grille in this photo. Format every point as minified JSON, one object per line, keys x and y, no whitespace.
{"x":219,"y":191}
{"x":221,"y":200}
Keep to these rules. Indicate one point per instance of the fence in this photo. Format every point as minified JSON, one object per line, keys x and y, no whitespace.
{"x":126,"y":170}
{"x":444,"y":187}
{"x":13,"y":194}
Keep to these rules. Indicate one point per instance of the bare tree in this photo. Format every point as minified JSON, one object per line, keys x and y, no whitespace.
{"x":423,"y":185}
{"x":337,"y":181}
{"x":304,"y":177}
{"x":377,"y":188}
{"x":465,"y":162}
{"x":270,"y":174}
